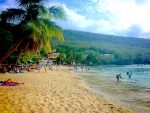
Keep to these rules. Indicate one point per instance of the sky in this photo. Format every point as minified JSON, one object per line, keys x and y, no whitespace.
{"x":115,"y":17}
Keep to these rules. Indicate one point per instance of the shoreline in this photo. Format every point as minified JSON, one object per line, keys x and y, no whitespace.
{"x":101,"y":86}
{"x":58,"y":91}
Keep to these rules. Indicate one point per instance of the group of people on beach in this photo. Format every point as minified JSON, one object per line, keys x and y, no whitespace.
{"x":82,"y":68}
{"x":21,"y":68}
{"x":118,"y":76}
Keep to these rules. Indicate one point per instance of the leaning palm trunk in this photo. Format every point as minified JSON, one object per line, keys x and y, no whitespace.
{"x":11,"y":51}
{"x":35,"y":26}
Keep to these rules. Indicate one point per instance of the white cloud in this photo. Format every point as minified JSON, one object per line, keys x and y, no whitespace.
{"x":105,"y":16}
{"x":126,"y":13}
{"x":81,"y":22}
{"x":121,"y":15}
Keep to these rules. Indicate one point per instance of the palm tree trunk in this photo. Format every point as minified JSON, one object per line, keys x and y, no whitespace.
{"x":11,"y":51}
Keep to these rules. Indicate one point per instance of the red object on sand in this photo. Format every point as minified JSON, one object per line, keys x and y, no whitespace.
{"x":12,"y":84}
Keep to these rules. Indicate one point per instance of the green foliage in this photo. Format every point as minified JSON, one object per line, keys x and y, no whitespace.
{"x":31,"y":58}
{"x":6,"y":40}
{"x":90,"y":48}
{"x":34,"y":27}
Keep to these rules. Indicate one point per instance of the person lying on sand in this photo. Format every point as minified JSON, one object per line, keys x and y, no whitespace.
{"x":10,"y":82}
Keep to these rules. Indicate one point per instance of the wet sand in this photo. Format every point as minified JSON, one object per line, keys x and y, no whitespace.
{"x":57,"y":91}
{"x":122,"y":92}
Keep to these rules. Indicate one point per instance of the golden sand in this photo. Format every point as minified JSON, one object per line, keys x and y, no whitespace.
{"x":56,"y":91}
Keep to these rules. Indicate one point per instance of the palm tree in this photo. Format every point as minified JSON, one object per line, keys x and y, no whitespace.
{"x":33,"y":26}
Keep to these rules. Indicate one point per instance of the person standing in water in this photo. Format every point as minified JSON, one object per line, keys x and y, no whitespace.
{"x":82,"y":68}
{"x":118,"y":76}
{"x":129,"y":74}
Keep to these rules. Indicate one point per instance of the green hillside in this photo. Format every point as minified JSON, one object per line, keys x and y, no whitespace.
{"x":121,"y":50}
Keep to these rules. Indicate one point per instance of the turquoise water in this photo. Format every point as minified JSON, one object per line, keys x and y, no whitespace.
{"x":140,"y":73}
{"x":134,"y":91}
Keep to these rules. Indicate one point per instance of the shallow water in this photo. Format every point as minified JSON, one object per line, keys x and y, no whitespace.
{"x":134,"y":91}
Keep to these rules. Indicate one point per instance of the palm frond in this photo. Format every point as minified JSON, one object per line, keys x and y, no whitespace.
{"x":25,"y":3}
{"x":56,"y":12}
{"x":36,"y":32}
{"x":45,"y":36}
{"x":45,"y":44}
{"x":12,"y":15}
{"x":44,"y":12}
{"x":54,"y":29}
{"x":32,"y":12}
{"x":40,"y":37}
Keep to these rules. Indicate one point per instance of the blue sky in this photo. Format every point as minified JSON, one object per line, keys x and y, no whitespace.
{"x":116,"y":17}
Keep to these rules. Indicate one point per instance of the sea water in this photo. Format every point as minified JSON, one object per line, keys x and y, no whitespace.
{"x":134,"y":91}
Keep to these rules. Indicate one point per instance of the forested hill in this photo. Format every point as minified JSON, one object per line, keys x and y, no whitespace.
{"x":95,"y":37}
{"x":85,"y":47}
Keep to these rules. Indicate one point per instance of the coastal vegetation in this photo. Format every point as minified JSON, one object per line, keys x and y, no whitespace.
{"x":27,"y":30}
{"x":92,"y":48}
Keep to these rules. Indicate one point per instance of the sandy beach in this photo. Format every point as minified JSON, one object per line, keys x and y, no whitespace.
{"x":57,"y":91}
